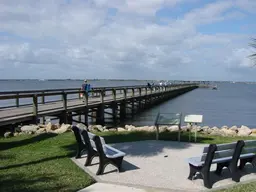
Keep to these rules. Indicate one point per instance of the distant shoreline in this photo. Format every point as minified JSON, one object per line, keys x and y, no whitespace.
{"x":196,"y":81}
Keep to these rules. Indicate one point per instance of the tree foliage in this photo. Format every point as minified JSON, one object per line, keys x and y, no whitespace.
{"x":253,"y":45}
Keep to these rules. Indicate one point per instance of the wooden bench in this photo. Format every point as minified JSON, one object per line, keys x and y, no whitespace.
{"x":108,"y":155}
{"x":224,"y":155}
{"x":96,"y":146}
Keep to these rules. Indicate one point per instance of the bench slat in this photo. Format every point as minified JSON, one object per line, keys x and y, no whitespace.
{"x":112,"y":152}
{"x":219,"y":154}
{"x":250,"y":143}
{"x":249,"y":150}
{"x":221,"y":147}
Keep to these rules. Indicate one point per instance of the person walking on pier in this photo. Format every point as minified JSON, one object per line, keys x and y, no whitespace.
{"x":85,"y":88}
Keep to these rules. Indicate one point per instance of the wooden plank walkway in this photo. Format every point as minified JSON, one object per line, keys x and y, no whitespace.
{"x":26,"y":112}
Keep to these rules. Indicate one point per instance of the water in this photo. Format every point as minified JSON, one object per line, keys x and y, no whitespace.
{"x":231,"y":104}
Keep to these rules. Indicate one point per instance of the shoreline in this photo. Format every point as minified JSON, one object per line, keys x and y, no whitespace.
{"x":50,"y":127}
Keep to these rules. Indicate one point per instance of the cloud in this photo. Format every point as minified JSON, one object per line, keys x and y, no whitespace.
{"x":117,"y":39}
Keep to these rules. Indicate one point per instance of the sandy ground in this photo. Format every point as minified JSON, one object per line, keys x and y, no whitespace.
{"x":160,"y":165}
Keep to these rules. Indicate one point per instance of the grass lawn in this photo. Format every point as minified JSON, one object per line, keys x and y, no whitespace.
{"x":42,"y":162}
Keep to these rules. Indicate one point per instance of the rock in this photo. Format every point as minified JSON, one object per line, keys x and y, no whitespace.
{"x":106,"y":130}
{"x":234,"y":128}
{"x":29,"y":128}
{"x":253,"y":131}
{"x":64,"y":128}
{"x":8,"y":134}
{"x":81,"y":126}
{"x":22,"y":133}
{"x":228,"y":132}
{"x":97,"y":128}
{"x":121,"y":129}
{"x":163,"y":128}
{"x":184,"y":128}
{"x":15,"y":134}
{"x":244,"y":131}
{"x":215,"y":128}
{"x":30,"y":132}
{"x":130,"y":127}
{"x":224,"y":127}
{"x":17,"y":129}
{"x":206,"y":130}
{"x":42,"y":126}
{"x":173,"y":128}
{"x":216,"y":133}
{"x":111,"y":129}
{"x":48,"y":127}
{"x":41,"y":130}
{"x":145,"y":128}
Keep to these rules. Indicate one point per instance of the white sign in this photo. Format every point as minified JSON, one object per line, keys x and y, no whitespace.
{"x":193,"y":119}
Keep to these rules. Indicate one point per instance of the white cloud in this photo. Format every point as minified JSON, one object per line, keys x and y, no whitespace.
{"x":81,"y":38}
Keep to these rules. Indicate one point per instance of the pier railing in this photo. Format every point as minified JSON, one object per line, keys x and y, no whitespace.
{"x":16,"y":99}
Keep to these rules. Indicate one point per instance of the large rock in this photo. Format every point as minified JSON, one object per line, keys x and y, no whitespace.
{"x":206,"y":130}
{"x":121,"y":129}
{"x":216,"y":133}
{"x":215,"y":128}
{"x":228,"y":132}
{"x":40,"y":131}
{"x":225,"y":127}
{"x":173,"y":128}
{"x":15,"y":134}
{"x":130,"y":127}
{"x":64,"y":128}
{"x":8,"y":134}
{"x":244,"y":131}
{"x":29,"y":128}
{"x":97,"y":128}
{"x":234,"y":128}
{"x":145,"y":128}
{"x":253,"y":131}
{"x":81,"y":126}
{"x":163,"y":128}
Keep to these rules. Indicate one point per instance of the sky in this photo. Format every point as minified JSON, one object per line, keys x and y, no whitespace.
{"x":127,"y":39}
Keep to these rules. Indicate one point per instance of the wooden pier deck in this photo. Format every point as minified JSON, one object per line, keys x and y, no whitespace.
{"x":117,"y":99}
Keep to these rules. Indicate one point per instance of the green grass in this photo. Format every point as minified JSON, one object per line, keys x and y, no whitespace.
{"x":248,"y":187}
{"x":42,"y":162}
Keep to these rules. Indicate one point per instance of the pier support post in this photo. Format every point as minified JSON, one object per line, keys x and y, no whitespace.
{"x":100,"y":115}
{"x":86,"y":116}
{"x":122,"y":110}
{"x":35,"y":109}
{"x":114,"y":107}
{"x":132,"y":101}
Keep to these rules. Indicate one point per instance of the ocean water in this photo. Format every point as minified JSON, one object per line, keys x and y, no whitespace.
{"x":231,"y":104}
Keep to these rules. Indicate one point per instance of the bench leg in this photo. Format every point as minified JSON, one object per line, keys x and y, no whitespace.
{"x":206,"y":177}
{"x":192,"y":171}
{"x":90,"y":156}
{"x":80,"y":148}
{"x":102,"y":167}
{"x":117,"y":162}
{"x":234,"y":172}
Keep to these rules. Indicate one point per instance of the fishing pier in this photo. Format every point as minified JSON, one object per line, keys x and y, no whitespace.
{"x":103,"y":105}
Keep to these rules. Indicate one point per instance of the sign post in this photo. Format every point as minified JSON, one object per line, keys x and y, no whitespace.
{"x":193,"y":120}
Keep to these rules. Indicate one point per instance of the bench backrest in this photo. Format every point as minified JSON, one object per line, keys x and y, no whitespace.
{"x":222,"y":151}
{"x":99,"y":146}
{"x":249,"y":147}
{"x":77,"y":133}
